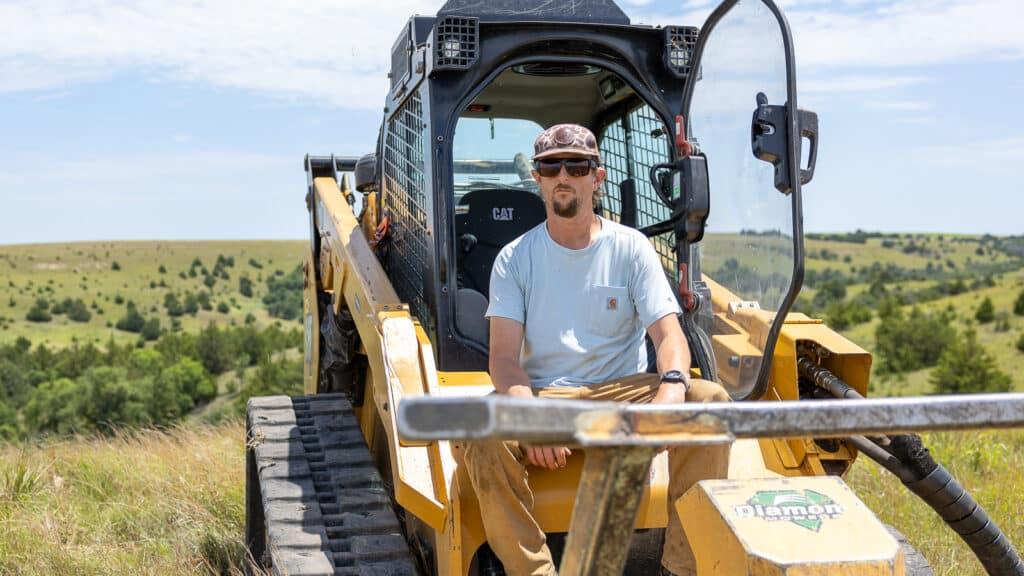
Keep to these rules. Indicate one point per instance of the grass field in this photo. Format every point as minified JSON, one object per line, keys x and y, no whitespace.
{"x":986,"y":463}
{"x":87,"y":270}
{"x":148,"y":502}
{"x":172,"y":502}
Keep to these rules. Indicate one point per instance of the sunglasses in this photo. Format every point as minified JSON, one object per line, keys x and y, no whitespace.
{"x":573,"y":166}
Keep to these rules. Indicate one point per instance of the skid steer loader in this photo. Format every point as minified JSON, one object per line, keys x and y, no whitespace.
{"x":362,"y":475}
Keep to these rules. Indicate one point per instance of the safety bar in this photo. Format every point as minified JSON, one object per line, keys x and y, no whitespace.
{"x":585,"y":423}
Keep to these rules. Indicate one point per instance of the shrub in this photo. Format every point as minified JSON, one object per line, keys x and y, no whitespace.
{"x":966,"y":367}
{"x":78,"y":311}
{"x":245,"y":286}
{"x":986,"y":311}
{"x":150,"y":329}
{"x":204,"y":301}
{"x":223,"y":308}
{"x":284,"y":294}
{"x":172,"y":305}
{"x":215,"y":349}
{"x":1020,"y":342}
{"x":38,"y":314}
{"x":910,"y":341}
{"x":829,"y":292}
{"x":162,"y":269}
{"x":115,"y":266}
{"x":60,"y":307}
{"x":842,"y":314}
{"x":1018,"y":304}
{"x":8,"y":422}
{"x":191,"y":306}
{"x":132,"y":321}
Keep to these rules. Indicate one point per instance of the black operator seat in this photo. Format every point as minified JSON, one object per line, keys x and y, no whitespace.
{"x":485,"y":221}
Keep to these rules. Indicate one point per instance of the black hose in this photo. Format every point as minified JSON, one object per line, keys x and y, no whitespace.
{"x":880,"y":455}
{"x":931,"y":482}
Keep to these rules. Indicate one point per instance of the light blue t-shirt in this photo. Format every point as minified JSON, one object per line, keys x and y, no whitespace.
{"x":584,"y":311}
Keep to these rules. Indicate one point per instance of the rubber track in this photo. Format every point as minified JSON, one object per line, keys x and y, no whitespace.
{"x":325,"y":506}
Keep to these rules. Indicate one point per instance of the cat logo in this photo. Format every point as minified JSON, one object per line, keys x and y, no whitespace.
{"x":502,"y":214}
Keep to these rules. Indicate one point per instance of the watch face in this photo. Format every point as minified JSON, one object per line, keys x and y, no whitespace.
{"x":672,"y":375}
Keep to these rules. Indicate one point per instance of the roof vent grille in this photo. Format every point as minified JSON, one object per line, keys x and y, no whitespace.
{"x":456,"y":43}
{"x":679,"y":44}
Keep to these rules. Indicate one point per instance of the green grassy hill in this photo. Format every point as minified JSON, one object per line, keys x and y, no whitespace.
{"x":918,"y":268}
{"x":107,"y":275}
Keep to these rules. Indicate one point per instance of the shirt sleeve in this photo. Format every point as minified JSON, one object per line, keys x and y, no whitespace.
{"x":653,"y":297}
{"x":508,"y":295}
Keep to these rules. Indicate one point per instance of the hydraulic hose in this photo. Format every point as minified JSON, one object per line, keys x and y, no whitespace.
{"x":906,"y":456}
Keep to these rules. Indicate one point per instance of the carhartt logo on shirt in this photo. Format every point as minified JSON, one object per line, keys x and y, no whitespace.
{"x":613,"y":304}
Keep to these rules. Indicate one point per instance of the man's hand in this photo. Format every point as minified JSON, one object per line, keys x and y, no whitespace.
{"x":670,"y":393}
{"x":550,"y":457}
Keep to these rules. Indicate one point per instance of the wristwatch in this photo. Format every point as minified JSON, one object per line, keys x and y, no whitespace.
{"x":676,"y":377}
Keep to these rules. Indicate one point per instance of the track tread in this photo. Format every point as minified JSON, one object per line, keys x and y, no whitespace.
{"x":326,"y":509}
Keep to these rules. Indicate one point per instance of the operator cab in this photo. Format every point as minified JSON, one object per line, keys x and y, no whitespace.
{"x":496,"y":199}
{"x":472,"y":88}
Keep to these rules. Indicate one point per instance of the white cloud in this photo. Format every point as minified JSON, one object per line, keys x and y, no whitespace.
{"x":338,"y":53}
{"x":324,"y":49}
{"x":909,"y":33}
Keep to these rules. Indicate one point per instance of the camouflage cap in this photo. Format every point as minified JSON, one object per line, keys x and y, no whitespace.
{"x":566,"y":139}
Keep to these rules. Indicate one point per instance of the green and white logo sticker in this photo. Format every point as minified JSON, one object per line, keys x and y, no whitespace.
{"x":805,"y":508}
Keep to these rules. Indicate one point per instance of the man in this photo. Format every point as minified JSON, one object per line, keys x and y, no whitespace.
{"x":569,"y":303}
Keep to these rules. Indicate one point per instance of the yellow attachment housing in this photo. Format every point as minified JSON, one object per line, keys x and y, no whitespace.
{"x":812,"y":526}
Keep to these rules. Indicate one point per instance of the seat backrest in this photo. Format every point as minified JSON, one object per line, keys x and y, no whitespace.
{"x":487,"y":220}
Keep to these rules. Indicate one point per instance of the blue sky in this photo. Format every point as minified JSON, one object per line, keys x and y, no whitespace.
{"x":168,"y":120}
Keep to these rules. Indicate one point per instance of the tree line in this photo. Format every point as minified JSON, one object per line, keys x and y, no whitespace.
{"x":87,"y":389}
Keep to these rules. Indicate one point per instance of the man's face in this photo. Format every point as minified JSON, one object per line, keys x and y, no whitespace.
{"x":567,"y":194}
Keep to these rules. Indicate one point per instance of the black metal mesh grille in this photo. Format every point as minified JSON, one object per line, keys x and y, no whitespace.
{"x":629,"y":147}
{"x":404,"y":200}
{"x":679,"y":44}
{"x":456,"y":42}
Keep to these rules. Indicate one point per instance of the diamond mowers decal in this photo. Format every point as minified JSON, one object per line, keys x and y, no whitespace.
{"x":805,"y":508}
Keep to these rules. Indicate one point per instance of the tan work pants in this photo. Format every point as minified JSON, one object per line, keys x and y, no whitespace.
{"x":498,"y":474}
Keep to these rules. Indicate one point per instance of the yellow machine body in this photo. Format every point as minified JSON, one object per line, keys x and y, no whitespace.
{"x":812,"y":526}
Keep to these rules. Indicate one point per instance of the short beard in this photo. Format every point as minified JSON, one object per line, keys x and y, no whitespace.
{"x":566,"y":209}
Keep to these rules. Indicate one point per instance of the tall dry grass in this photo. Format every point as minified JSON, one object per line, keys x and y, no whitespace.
{"x":148,"y":502}
{"x":172,"y":502}
{"x":990,"y":464}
